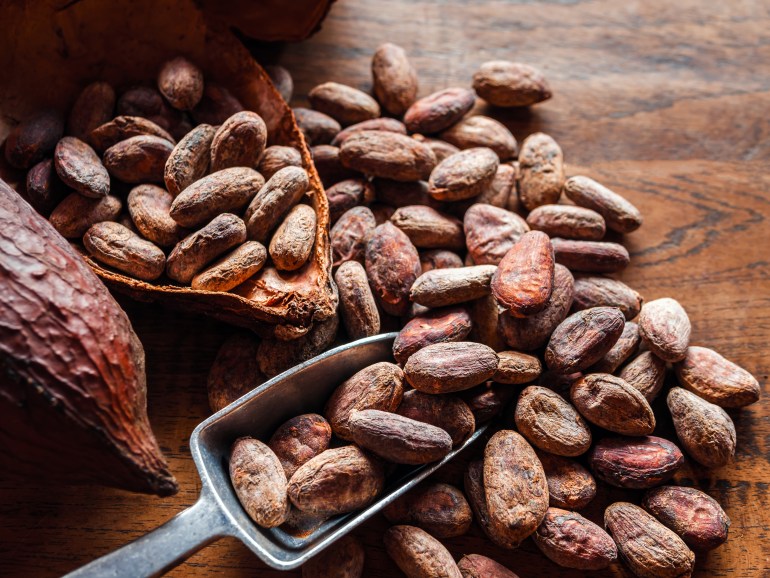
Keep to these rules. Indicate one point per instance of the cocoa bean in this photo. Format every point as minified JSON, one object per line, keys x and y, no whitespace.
{"x":278,"y":157}
{"x":439,"y":509}
{"x":487,"y":401}
{"x":442,"y":325}
{"x":394,"y":78}
{"x":440,"y":148}
{"x":388,"y":155}
{"x":139,"y":159}
{"x":357,"y":305}
{"x":294,"y":238}
{"x":646,"y":373}
{"x":349,"y":235}
{"x":124,"y":127}
{"x":148,"y":103}
{"x":149,"y":207}
{"x":276,"y":198}
{"x":385,"y":124}
{"x":504,"y":83}
{"x":345,"y":195}
{"x":610,"y":403}
{"x":79,"y":168}
{"x":418,"y":554}
{"x":216,"y":105}
{"x":448,"y":367}
{"x":234,"y":372}
{"x":624,"y":347}
{"x":76,"y":213}
{"x":583,"y":339}
{"x":336,"y":481}
{"x":542,"y":171}
{"x":524,"y":279}
{"x":343,"y":559}
{"x":598,"y":291}
{"x":232,"y":269}
{"x":463,"y":175}
{"x":282,"y":80}
{"x":665,"y":328}
{"x":572,"y":541}
{"x":44,"y":189}
{"x":485,"y":318}
{"x":635,"y":462}
{"x":590,"y":256}
{"x":392,"y":265}
{"x":439,"y":259}
{"x":516,"y":368}
{"x":318,"y":128}
{"x":647,"y":547}
{"x":239,"y":141}
{"x":379,"y":386}
{"x":181,"y":82}
{"x":473,"y":484}
{"x":716,"y":379}
{"x":482,"y":131}
{"x":93,"y":107}
{"x":447,"y":412}
{"x":343,"y":103}
{"x":490,"y":232}
{"x":428,"y":228}
{"x":567,"y":221}
{"x":442,"y":287}
{"x":570,"y":485}
{"x":619,"y":214}
{"x":33,"y":139}
{"x":438,"y":111}
{"x":189,"y":161}
{"x":119,"y":247}
{"x":478,"y":566}
{"x":300,"y":439}
{"x":259,"y":482}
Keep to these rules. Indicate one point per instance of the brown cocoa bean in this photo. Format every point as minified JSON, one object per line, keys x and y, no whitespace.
{"x":598,"y":291}
{"x":198,"y":249}
{"x":473,"y":484}
{"x":379,"y":386}
{"x":394,"y":78}
{"x":438,"y":111}
{"x":148,"y":103}
{"x":440,"y":148}
{"x":34,"y":138}
{"x":398,"y":439}
{"x":619,"y":214}
{"x":388,"y":155}
{"x":647,"y":547}
{"x":570,"y":485}
{"x":239,"y":141}
{"x":300,"y":439}
{"x":282,"y":80}
{"x":235,"y":371}
{"x":343,"y":103}
{"x":181,"y":82}
{"x":504,"y":83}
{"x":485,"y":318}
{"x":583,"y":339}
{"x":336,"y":481}
{"x":439,"y":259}
{"x":551,"y":423}
{"x":418,"y":554}
{"x":490,"y":232}
{"x":635,"y":462}
{"x":523,"y":281}
{"x":403,"y":194}
{"x":542,"y":171}
{"x":392,"y":265}
{"x":716,"y":379}
{"x":149,"y":207}
{"x":442,"y":325}
{"x":646,"y":373}
{"x":259,"y":482}
{"x":705,"y":430}
{"x":93,"y":107}
{"x":624,"y":347}
{"x":442,"y":287}
{"x":294,"y":238}
{"x":665,"y":328}
{"x":694,"y":515}
{"x":567,"y":221}
{"x":124,"y":127}
{"x":79,"y":168}
{"x":463,"y":175}
{"x":345,"y":195}
{"x":228,"y":190}
{"x":515,"y":488}
{"x":357,"y":305}
{"x":139,"y":159}
{"x":487,"y":401}
{"x":482,"y":131}
{"x":277,"y":355}
{"x":559,"y":382}
{"x":189,"y":161}
{"x":301,"y":524}
{"x":318,"y":128}
{"x":76,"y":213}
{"x":448,"y":367}
{"x":590,"y":256}
{"x":428,"y":228}
{"x":447,"y":412}
{"x":478,"y":566}
{"x":276,"y":198}
{"x":343,"y":559}
{"x":278,"y":157}
{"x":530,"y":333}
{"x":385,"y":124}
{"x":216,"y":105}
{"x":120,"y":248}
{"x":572,"y":541}
{"x":516,"y":368}
{"x":500,"y":189}
{"x":610,"y":403}
{"x":44,"y":189}
{"x":348,"y":236}
{"x":232,"y":269}
{"x":439,"y":509}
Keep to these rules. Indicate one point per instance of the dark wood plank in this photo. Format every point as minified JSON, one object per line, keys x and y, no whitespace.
{"x":665,"y":102}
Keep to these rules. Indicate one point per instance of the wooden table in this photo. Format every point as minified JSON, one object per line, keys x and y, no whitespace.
{"x":666,"y":102}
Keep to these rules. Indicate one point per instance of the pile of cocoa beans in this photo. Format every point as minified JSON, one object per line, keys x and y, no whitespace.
{"x":428,"y":237}
{"x":207,"y":211}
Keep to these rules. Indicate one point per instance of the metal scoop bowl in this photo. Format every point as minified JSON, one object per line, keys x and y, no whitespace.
{"x":217,"y":513}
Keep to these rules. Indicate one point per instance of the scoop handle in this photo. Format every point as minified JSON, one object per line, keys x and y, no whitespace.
{"x":159,"y":551}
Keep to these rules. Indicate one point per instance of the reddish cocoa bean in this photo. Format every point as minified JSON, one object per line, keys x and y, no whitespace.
{"x":490,"y":232}
{"x":715,"y":378}
{"x":572,"y":541}
{"x":318,"y":128}
{"x":440,"y":509}
{"x":300,"y":439}
{"x":79,"y":168}
{"x":239,"y":141}
{"x":567,"y":221}
{"x":388,"y":155}
{"x":449,"y":367}
{"x":635,"y":462}
{"x":591,"y":256}
{"x":570,"y":485}
{"x":542,"y":171}
{"x":343,"y":103}
{"x":504,"y":83}
{"x":583,"y":339}
{"x":181,"y":82}
{"x":386,"y":124}
{"x":551,"y":423}
{"x":392,"y":265}
{"x":647,"y":373}
{"x":442,"y":325}
{"x":357,"y":305}
{"x":482,"y":131}
{"x":394,"y":78}
{"x":610,"y":403}
{"x":447,"y":412}
{"x":620,"y":215}
{"x":439,"y":110}
{"x":463,"y":175}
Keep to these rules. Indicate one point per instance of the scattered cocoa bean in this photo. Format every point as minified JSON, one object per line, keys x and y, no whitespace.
{"x":482,"y":131}
{"x":485,"y":318}
{"x":76,"y":213}
{"x":572,"y":541}
{"x":665,"y":329}
{"x":635,"y":462}
{"x":438,"y":111}
{"x":442,"y":287}
{"x":119,"y":247}
{"x":463,"y":175}
{"x":583,"y":339}
{"x":79,"y":168}
{"x":343,"y":103}
{"x":647,"y":373}
{"x":428,"y":228}
{"x":590,"y":256}
{"x":181,"y":82}
{"x":384,"y":123}
{"x":567,"y":221}
{"x":349,"y":235}
{"x":714,"y":378}
{"x":447,"y":412}
{"x":619,"y":214}
{"x":278,"y":157}
{"x":490,"y":232}
{"x":357,"y":305}
{"x":392,"y":265}
{"x":294,"y":238}
{"x":394,"y":78}
{"x":570,"y":485}
{"x":259,"y":482}
{"x":149,"y":207}
{"x":448,"y":367}
{"x":542,"y":171}
{"x":232,"y":269}
{"x":439,"y":509}
{"x":598,"y":291}
{"x":442,"y":325}
{"x":473,"y":484}
{"x":440,"y":148}
{"x":610,"y":403}
{"x":504,"y":83}
{"x":239,"y":141}
{"x":388,"y":155}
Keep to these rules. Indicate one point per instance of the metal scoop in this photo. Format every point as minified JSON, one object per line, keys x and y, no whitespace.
{"x":218,"y":513}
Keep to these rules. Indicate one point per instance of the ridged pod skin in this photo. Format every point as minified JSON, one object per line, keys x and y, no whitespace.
{"x":74,"y":417}
{"x":647,"y":547}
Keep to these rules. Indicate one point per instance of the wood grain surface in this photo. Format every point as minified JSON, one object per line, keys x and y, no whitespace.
{"x":666,"y":102}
